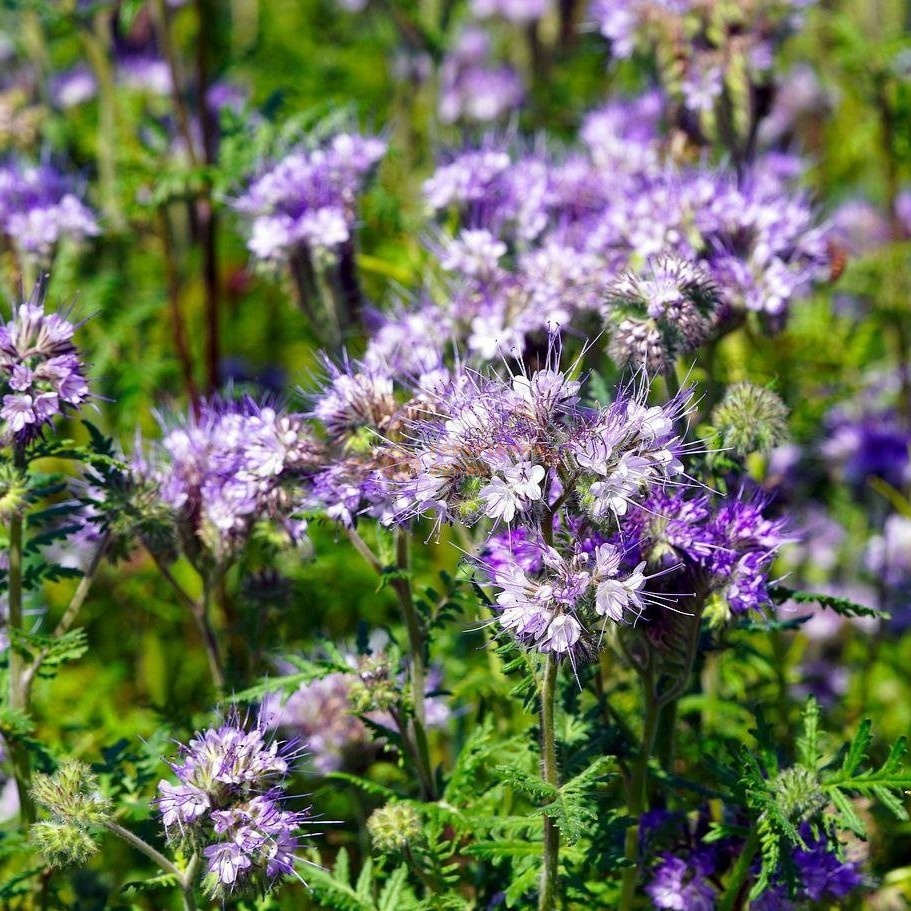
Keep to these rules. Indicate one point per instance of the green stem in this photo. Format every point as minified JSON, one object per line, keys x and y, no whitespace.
{"x":733,"y":893}
{"x":418,"y":642}
{"x":548,"y":895}
{"x":637,"y":793}
{"x":18,"y":694}
{"x":200,"y":613}
{"x":418,"y":645}
{"x":184,"y":877}
{"x":161,"y":20}
{"x":69,"y":615}
{"x":97,"y":45}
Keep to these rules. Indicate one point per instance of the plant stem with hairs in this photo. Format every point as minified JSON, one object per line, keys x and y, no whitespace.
{"x":184,"y":877}
{"x":18,"y":693}
{"x":548,"y":895}
{"x":417,"y":639}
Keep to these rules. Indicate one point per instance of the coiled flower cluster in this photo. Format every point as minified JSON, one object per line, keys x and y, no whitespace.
{"x":307,"y":200}
{"x":227,"y":468}
{"x":229,"y":803}
{"x":41,"y":373}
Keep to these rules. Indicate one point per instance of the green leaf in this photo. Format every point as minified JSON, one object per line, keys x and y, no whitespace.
{"x":808,"y":742}
{"x":857,"y":751}
{"x":843,"y":606}
{"x":392,"y":897}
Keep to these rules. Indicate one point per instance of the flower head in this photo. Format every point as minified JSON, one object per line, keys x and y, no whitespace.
{"x":41,"y":374}
{"x":230,"y":801}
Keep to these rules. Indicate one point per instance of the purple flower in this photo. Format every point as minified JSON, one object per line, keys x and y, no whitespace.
{"x":308,"y":199}
{"x":824,"y":875}
{"x":471,"y":87}
{"x":327,"y":718}
{"x":679,"y":886}
{"x":39,"y":209}
{"x":41,"y":374}
{"x":513,"y":10}
{"x":725,"y":545}
{"x":229,"y":467}
{"x":230,"y":798}
{"x":73,"y":87}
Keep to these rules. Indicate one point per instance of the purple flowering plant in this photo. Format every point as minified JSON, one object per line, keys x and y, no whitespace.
{"x":484,"y":449}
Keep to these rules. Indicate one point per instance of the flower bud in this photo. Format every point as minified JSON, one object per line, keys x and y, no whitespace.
{"x":798,"y":794}
{"x":393,"y":826}
{"x":13,"y":488}
{"x":62,"y":844}
{"x":751,"y":419}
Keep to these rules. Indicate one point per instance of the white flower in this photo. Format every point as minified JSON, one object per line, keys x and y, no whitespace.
{"x":525,"y":480}
{"x":500,"y":500}
{"x":562,"y":634}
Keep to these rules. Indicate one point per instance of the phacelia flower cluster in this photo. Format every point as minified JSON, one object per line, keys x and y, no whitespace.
{"x":510,"y":448}
{"x":666,"y":252}
{"x":307,"y":201}
{"x":225,"y":469}
{"x":685,"y":875}
{"x":41,"y":374}
{"x":38,"y":209}
{"x":566,"y":607}
{"x":667,"y":309}
{"x":230,"y":805}
{"x":721,"y":546}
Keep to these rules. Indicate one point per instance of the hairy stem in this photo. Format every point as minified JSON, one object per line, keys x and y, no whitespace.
{"x":69,"y":615}
{"x":733,"y":897}
{"x":637,"y":799}
{"x":18,"y":693}
{"x":548,"y":894}
{"x":184,"y":878}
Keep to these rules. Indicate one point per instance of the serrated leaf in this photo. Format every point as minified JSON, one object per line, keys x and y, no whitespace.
{"x":843,"y":606}
{"x":365,"y":785}
{"x":364,"y":881}
{"x":857,"y":751}
{"x":808,"y":742}
{"x":286,"y":684}
{"x":847,"y":815}
{"x":392,"y":898}
{"x":161,"y":881}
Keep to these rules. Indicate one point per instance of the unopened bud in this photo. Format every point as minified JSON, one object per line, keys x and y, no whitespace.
{"x":750,"y":419}
{"x":392,"y":827}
